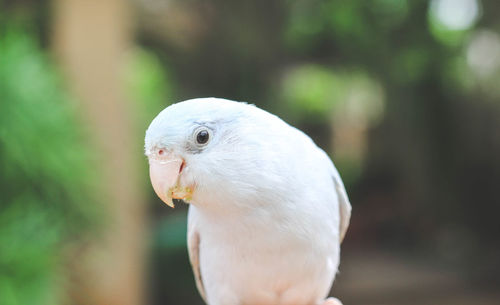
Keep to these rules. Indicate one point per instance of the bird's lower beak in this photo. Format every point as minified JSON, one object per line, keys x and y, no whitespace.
{"x":164,"y":174}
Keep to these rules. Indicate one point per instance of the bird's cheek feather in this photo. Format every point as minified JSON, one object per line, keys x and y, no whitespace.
{"x":164,"y":174}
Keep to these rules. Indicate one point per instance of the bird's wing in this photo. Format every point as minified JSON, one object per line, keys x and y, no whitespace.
{"x":344,"y":205}
{"x":193,"y":237}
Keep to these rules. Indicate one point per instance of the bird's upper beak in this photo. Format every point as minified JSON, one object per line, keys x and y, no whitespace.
{"x":164,"y":173}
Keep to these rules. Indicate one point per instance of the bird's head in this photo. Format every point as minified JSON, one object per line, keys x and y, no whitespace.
{"x":206,"y":150}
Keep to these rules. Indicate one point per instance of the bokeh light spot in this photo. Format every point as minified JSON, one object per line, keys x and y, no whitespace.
{"x":483,"y":53}
{"x":455,"y":15}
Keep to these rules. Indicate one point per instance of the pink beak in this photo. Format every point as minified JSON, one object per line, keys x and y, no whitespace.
{"x":164,"y":174}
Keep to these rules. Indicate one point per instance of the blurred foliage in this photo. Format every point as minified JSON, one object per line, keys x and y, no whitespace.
{"x":46,"y":178}
{"x":169,"y":280}
{"x":148,"y":84}
{"x":315,"y":91}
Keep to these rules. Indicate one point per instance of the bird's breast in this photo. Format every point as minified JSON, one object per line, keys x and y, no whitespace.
{"x":263,"y":258}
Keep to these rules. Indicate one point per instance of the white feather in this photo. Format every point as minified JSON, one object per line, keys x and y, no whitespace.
{"x":269,"y":209}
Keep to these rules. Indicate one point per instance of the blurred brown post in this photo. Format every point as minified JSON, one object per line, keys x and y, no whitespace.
{"x":90,"y":38}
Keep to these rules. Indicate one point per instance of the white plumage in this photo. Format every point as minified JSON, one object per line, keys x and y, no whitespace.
{"x":268,"y":208}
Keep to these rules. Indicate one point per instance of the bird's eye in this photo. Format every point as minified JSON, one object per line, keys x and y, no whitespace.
{"x":202,"y":136}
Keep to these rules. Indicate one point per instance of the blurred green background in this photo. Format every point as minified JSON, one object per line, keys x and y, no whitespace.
{"x":403,"y":95}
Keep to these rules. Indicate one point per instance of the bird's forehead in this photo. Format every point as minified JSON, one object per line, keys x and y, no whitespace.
{"x":164,"y":131}
{"x":175,"y":122}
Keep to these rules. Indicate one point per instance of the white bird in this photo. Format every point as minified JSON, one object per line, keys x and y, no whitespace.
{"x":268,"y":209}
